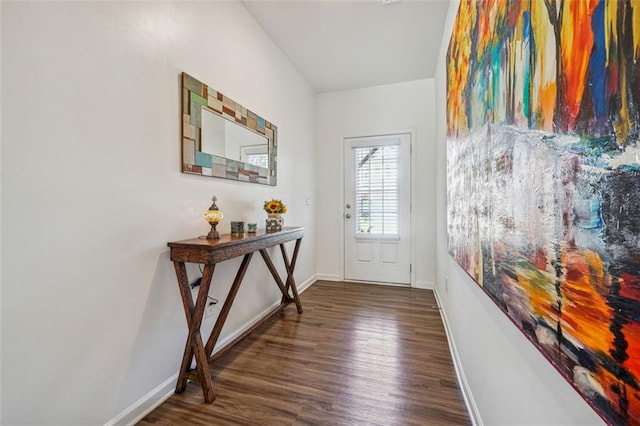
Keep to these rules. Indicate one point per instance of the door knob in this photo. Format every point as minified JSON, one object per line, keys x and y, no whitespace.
{"x":348,"y":215}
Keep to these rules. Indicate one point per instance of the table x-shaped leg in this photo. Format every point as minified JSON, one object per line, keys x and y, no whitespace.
{"x":194,"y":344}
{"x":291,"y":284}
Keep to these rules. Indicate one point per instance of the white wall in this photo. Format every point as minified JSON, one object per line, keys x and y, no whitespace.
{"x":365,"y":112}
{"x":509,"y":380}
{"x":92,"y":191}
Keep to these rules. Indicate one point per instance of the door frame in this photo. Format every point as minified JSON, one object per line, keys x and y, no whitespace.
{"x":412,"y":198}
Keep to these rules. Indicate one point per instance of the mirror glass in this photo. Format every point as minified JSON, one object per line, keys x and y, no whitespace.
{"x":227,"y":139}
{"x":221,"y":138}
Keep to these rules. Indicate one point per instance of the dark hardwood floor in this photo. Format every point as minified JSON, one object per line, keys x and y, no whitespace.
{"x":359,"y":354}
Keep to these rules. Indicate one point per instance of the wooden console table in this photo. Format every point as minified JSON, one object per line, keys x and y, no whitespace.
{"x":210,"y":252}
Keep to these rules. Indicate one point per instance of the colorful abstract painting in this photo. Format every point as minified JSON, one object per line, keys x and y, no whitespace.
{"x":543,"y":174}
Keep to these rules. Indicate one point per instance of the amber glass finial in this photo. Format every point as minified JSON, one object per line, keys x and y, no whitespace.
{"x":213,"y":216}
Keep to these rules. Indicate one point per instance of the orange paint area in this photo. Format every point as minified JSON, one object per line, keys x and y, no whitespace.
{"x":632,"y":335}
{"x":630,"y":292}
{"x":585,"y":313}
{"x":458,"y":68}
{"x":577,"y":40}
{"x":620,"y":394}
{"x":546,"y":106}
{"x":541,"y":291}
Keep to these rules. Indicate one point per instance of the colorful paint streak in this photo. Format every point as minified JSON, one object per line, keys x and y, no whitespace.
{"x":543,"y":173}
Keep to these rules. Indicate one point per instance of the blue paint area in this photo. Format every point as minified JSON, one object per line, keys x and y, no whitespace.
{"x":533,"y":60}
{"x":494,"y":69}
{"x":260,"y":121}
{"x":635,"y":167}
{"x":598,"y":70}
{"x":588,"y":213}
{"x":526,"y":37}
{"x":593,"y":150}
{"x":203,"y":159}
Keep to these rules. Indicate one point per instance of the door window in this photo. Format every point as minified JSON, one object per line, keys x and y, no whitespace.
{"x":376,"y":190}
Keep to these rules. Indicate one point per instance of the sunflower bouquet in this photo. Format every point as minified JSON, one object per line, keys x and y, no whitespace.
{"x":274,"y":206}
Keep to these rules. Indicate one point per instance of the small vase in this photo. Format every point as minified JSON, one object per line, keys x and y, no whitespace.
{"x":274,"y":222}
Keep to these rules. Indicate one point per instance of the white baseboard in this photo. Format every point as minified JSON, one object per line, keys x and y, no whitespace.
{"x":305,"y":285}
{"x":146,"y":404}
{"x":139,"y":409}
{"x":427,"y":285}
{"x":329,"y":277}
{"x":467,"y":395}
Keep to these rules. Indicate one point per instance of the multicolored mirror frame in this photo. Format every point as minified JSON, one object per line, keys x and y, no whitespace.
{"x":196,"y":96}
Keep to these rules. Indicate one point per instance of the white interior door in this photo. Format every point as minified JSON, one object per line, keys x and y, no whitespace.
{"x":377,"y":209}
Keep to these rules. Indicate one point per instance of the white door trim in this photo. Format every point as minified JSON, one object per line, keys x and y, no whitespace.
{"x":412,"y":135}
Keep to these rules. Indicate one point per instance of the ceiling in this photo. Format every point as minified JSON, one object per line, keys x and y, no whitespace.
{"x":341,"y":44}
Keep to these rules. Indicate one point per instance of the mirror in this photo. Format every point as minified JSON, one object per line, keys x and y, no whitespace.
{"x":221,"y":138}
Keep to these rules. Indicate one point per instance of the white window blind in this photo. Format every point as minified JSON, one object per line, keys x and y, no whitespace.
{"x":261,"y":160}
{"x":376,"y":190}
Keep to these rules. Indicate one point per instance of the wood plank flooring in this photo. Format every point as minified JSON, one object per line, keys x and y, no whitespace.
{"x":359,"y":354}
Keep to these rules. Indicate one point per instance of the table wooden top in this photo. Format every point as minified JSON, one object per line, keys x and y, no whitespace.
{"x":202,"y":250}
{"x":231,"y":239}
